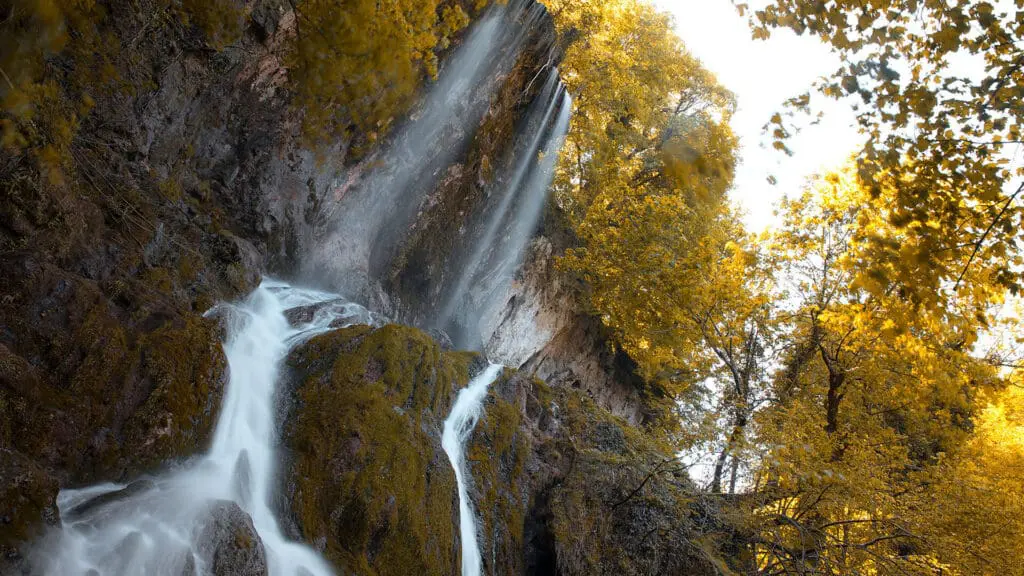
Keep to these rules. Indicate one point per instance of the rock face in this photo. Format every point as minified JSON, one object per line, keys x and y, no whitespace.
{"x":368,"y":482}
{"x":27,"y":506}
{"x":561,"y":486}
{"x":565,"y":487}
{"x":230,"y":544}
{"x":107,"y":367}
{"x":540,"y":327}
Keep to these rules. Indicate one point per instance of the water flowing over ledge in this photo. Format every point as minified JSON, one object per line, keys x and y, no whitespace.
{"x":161,"y":526}
{"x":457,"y":429}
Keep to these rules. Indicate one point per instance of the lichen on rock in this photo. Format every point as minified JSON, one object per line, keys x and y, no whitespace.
{"x":565,"y":487}
{"x":229,"y":544}
{"x":368,"y":482}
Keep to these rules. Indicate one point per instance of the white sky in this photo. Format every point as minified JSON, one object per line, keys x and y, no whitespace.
{"x":763,"y":74}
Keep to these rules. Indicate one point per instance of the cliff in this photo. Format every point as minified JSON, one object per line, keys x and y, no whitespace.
{"x":560,"y":485}
{"x":192,"y":183}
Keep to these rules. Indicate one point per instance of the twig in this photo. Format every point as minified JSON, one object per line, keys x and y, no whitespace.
{"x":977,"y":246}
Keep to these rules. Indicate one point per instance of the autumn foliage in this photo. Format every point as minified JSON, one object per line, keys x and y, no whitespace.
{"x":842,"y":372}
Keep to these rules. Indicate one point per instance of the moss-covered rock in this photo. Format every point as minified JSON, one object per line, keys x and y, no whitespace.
{"x":564,"y":487}
{"x":229,"y":544}
{"x":96,"y":389}
{"x":27,"y":505}
{"x":369,"y":483}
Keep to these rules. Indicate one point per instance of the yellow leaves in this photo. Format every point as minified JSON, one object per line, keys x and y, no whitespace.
{"x":912,"y":436}
{"x":643,"y":178}
{"x":453,"y":19}
{"x":366,"y":59}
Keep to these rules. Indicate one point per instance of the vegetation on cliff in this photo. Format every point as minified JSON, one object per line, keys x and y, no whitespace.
{"x":368,"y":479}
{"x":642,"y":182}
{"x":844,"y":371}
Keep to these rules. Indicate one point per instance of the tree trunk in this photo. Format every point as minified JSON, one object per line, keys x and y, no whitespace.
{"x":730,"y":445}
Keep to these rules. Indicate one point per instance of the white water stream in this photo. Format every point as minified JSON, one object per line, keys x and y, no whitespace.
{"x":457,"y":429}
{"x":158,"y":526}
{"x":155,"y":527}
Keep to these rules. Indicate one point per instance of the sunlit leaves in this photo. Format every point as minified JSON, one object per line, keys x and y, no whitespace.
{"x":871,"y":437}
{"x":359,"y":62}
{"x":940,"y":84}
{"x":642,"y":179}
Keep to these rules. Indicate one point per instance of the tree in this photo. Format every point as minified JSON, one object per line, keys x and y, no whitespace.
{"x":735,"y":321}
{"x":937,"y":85}
{"x":875,"y":398}
{"x":360,"y":62}
{"x":642,"y":181}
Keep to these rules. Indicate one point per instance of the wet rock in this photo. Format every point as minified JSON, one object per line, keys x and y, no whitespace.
{"x":27,"y":505}
{"x":266,"y":16}
{"x":301,"y":314}
{"x":368,"y":482}
{"x":564,"y":487}
{"x":540,"y":328}
{"x":229,"y":544}
{"x":242,"y":478}
{"x":242,"y":263}
{"x":345,"y":314}
{"x":442,"y":338}
{"x":91,"y":506}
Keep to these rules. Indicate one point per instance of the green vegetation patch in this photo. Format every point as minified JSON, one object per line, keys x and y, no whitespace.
{"x":369,"y":475}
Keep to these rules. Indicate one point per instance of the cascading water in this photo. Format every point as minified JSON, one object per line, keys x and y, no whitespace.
{"x":372,"y":211}
{"x":160,"y":525}
{"x":156,"y":527}
{"x":498,"y":251}
{"x":457,"y":429}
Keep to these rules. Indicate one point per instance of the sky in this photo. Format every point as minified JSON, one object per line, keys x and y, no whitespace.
{"x":763,"y":74}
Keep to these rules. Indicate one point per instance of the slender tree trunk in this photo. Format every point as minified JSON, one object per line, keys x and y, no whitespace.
{"x":734,"y":474}
{"x":835,"y":383}
{"x":730,"y":445}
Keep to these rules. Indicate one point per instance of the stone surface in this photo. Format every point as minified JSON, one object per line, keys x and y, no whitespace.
{"x":27,"y":506}
{"x":93,"y":504}
{"x":540,"y":328}
{"x":560,"y":485}
{"x":565,"y":487}
{"x":229,"y":544}
{"x":367,"y":481}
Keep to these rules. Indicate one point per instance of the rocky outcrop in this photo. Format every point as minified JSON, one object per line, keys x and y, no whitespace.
{"x":367,"y":481}
{"x":564,"y":487}
{"x":229,"y":544}
{"x":560,"y":485}
{"x":100,"y":385}
{"x":27,"y":506}
{"x":540,"y":326}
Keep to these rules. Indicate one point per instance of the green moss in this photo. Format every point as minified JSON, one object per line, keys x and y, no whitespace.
{"x":27,"y":500}
{"x":188,"y":370}
{"x":369,"y":474}
{"x":170,"y":189}
{"x":497,"y":455}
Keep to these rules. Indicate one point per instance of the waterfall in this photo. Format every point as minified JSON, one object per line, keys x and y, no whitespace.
{"x":497,"y":252}
{"x":373,"y":207}
{"x":159,"y":525}
{"x":457,"y":429}
{"x":155,"y":527}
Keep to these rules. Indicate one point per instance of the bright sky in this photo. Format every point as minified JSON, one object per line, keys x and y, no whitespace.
{"x":763,"y":74}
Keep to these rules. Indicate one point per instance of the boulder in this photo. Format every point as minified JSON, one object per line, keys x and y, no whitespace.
{"x":92,"y":505}
{"x":228,"y":542}
{"x":27,"y":506}
{"x":368,"y":482}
